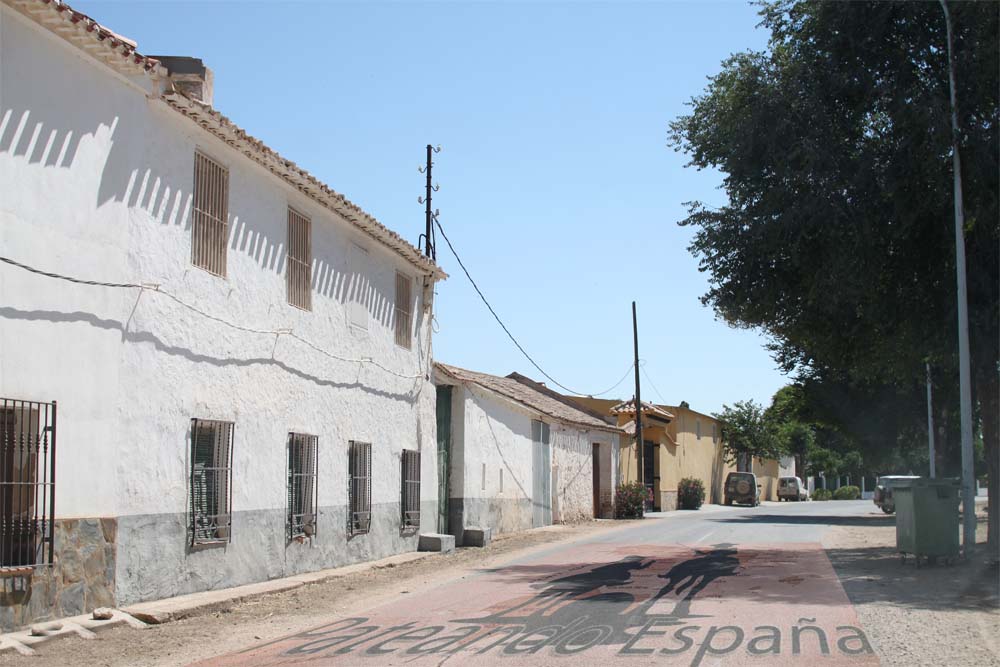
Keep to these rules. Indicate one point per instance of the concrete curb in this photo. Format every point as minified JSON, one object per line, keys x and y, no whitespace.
{"x":144,"y":614}
{"x":182,"y":606}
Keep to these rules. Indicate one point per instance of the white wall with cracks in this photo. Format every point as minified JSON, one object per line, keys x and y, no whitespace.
{"x":96,"y":177}
{"x":492,"y":467}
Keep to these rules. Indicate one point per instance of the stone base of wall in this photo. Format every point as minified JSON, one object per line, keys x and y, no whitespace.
{"x":668,"y":501}
{"x":81,"y":577}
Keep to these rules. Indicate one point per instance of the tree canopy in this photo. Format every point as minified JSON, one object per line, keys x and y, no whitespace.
{"x":837,"y":239}
{"x":745,"y":434}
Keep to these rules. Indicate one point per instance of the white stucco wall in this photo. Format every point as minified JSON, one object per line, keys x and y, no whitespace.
{"x":495,"y":435}
{"x":95,"y":182}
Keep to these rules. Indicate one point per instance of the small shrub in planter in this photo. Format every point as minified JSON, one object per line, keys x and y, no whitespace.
{"x":690,"y":493}
{"x":822,"y":494}
{"x":630,"y":500}
{"x":847,"y":493}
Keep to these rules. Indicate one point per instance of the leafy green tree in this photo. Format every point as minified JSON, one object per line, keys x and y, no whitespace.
{"x":745,"y":434}
{"x":837,"y":237}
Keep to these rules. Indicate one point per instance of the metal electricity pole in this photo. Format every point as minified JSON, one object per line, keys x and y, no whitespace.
{"x":930,"y":423}
{"x":964,"y":374}
{"x":429,"y":245}
{"x":638,"y":402}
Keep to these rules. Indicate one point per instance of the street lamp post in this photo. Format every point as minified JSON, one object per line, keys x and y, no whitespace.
{"x":964,"y":379}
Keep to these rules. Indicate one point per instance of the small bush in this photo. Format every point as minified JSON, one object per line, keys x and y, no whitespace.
{"x":822,"y":494}
{"x":690,"y":493}
{"x":630,"y":500}
{"x":847,"y":493}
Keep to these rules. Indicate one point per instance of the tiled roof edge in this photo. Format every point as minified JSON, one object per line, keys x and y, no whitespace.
{"x":604,"y":426}
{"x":121,"y":55}
{"x":219,"y":125}
{"x":568,"y":402}
{"x":89,"y":36}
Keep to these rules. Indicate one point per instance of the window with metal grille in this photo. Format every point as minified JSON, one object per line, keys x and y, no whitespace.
{"x":359,"y":488}
{"x":210,"y":215}
{"x":211,"y":481}
{"x":403,"y":307}
{"x":411,"y":488}
{"x":298,"y":275}
{"x":303,"y":451}
{"x":27,"y":483}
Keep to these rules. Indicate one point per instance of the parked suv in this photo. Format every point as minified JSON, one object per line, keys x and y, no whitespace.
{"x":792,"y":488}
{"x":742,"y":487}
{"x":883,"y":491}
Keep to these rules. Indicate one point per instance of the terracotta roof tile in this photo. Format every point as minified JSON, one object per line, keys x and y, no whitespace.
{"x":536,"y":399}
{"x":628,"y":408}
{"x":120,"y":54}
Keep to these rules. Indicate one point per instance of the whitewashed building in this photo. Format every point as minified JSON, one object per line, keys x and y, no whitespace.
{"x":243,"y":390}
{"x":517,"y":455}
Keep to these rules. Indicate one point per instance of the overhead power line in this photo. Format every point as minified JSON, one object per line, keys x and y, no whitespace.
{"x":507,"y":331}
{"x":642,"y":367}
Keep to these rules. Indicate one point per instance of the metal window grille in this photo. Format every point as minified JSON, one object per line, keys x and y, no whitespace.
{"x":403,"y":324}
{"x":210,"y":215}
{"x":359,"y":488}
{"x":27,"y":483}
{"x":299,"y":271}
{"x":211,"y":481}
{"x":303,"y":452}
{"x":410,"y":501}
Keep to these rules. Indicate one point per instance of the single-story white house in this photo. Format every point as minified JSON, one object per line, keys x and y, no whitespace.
{"x":519,"y":455}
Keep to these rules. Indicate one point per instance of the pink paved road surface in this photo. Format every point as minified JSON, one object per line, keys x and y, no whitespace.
{"x":596,"y":603}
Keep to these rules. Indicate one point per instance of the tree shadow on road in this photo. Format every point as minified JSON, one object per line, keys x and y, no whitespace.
{"x":809,"y":519}
{"x":878,"y":574}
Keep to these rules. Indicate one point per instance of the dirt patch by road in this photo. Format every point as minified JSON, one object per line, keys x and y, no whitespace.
{"x":273,"y":616}
{"x":934,"y":615}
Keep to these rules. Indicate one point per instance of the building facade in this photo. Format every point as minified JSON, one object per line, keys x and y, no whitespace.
{"x":519,"y":455}
{"x":241,"y":392}
{"x":680,"y":442}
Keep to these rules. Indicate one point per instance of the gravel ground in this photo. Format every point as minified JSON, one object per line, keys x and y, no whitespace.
{"x":273,"y":616}
{"x":934,"y":615}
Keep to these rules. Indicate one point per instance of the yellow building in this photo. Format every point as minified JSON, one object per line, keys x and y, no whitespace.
{"x":678,"y":442}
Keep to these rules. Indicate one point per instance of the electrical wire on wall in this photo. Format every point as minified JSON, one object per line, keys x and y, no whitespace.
{"x":156,"y":289}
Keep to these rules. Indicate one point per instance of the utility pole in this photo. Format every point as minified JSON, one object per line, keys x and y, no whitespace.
{"x":930,"y":423}
{"x":429,"y":244}
{"x":964,"y":374}
{"x":638,"y":403}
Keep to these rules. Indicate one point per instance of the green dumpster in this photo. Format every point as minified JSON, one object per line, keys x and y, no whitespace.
{"x":927,"y":518}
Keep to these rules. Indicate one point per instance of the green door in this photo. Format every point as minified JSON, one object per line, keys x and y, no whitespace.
{"x":443,"y":454}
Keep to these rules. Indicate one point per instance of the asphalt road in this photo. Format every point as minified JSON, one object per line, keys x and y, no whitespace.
{"x":716,"y":586}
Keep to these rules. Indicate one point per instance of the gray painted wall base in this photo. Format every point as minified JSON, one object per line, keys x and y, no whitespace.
{"x":155,"y":558}
{"x":502,"y":515}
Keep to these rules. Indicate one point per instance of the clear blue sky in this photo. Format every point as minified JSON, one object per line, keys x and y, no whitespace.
{"x":557,"y":184}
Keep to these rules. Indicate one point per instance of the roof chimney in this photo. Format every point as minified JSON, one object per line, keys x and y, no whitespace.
{"x":190,"y":76}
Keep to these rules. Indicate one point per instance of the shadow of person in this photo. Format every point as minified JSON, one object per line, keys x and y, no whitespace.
{"x":690,"y":577}
{"x":618,"y":573}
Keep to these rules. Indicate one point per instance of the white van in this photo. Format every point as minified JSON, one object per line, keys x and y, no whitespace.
{"x":792,"y":488}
